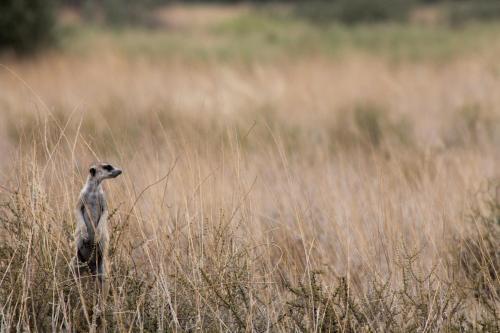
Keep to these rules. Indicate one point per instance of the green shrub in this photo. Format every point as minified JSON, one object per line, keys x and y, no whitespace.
{"x":466,"y":11}
{"x":26,"y":25}
{"x":119,"y":12}
{"x":355,"y":11}
{"x":352,"y":11}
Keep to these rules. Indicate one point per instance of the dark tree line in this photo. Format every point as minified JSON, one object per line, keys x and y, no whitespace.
{"x":27,"y":25}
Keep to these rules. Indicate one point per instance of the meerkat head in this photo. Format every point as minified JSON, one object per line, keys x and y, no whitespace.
{"x":103,"y":171}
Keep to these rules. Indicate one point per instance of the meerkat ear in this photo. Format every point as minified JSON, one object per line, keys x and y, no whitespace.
{"x":92,"y":171}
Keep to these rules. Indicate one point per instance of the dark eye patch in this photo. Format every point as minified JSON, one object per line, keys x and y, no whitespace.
{"x":108,"y":167}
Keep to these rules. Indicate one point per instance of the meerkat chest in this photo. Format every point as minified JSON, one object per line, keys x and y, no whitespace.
{"x":94,"y":206}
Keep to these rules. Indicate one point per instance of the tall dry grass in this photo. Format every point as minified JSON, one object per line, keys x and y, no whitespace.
{"x":310,"y":195}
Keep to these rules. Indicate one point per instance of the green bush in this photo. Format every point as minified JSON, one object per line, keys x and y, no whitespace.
{"x":119,"y":12}
{"x":26,"y":25}
{"x":355,"y":11}
{"x":479,"y":10}
{"x":352,"y":11}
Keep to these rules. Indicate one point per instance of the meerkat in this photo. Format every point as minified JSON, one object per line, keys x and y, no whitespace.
{"x":91,"y":215}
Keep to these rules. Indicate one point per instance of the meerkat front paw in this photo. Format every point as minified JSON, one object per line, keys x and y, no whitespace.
{"x":83,"y":235}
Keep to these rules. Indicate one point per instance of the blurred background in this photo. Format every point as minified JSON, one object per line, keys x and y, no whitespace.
{"x":421,"y":74}
{"x":402,"y":60}
{"x":295,"y":27}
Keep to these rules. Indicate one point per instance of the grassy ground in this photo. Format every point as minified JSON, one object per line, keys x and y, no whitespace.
{"x":278,"y":176}
{"x":269,"y":34}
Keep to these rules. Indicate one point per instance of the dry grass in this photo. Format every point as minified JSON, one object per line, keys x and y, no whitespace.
{"x":308,"y":195}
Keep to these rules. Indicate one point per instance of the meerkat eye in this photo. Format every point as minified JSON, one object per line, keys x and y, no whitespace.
{"x":108,"y":167}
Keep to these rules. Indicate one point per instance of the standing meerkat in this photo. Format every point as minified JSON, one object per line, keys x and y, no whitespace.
{"x":91,"y":216}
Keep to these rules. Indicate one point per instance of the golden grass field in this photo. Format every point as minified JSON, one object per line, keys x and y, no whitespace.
{"x":337,"y":193}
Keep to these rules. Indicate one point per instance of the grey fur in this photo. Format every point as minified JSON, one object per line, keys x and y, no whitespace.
{"x":91,"y":215}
